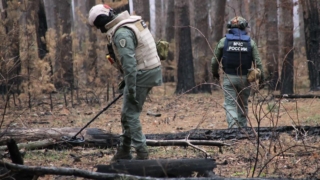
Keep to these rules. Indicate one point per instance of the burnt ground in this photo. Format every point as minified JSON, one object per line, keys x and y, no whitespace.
{"x":284,"y":157}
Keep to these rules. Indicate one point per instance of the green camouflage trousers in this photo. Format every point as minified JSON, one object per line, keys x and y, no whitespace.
{"x":131,"y":127}
{"x":236,"y":94}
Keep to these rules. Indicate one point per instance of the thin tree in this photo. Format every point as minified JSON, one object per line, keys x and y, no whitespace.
{"x":170,"y":20}
{"x":311,"y":16}
{"x":272,"y":44}
{"x":58,"y":15}
{"x":217,"y":25}
{"x":286,"y":46}
{"x":184,"y":55}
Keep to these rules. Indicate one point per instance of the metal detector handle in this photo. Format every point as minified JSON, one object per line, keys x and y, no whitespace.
{"x":104,"y":109}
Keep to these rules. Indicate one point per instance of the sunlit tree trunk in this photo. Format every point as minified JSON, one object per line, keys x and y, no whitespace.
{"x":272,"y":44}
{"x":201,"y":47}
{"x":286,"y":46}
{"x":311,"y":16}
{"x":183,"y":45}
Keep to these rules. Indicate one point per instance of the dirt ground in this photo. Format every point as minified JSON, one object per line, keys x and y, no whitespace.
{"x":286,"y":157}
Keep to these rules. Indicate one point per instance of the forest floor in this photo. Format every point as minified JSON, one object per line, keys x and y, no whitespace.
{"x":285,"y":157}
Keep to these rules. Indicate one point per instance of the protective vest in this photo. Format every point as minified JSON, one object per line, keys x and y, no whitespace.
{"x":237,"y":53}
{"x":146,"y":51}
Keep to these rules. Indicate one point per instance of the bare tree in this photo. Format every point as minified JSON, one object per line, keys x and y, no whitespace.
{"x":58,"y":15}
{"x":311,"y":16}
{"x":286,"y":46}
{"x":10,"y":64}
{"x":201,"y":48}
{"x":272,"y":43}
{"x":184,"y":55}
{"x":170,"y":20}
{"x":217,"y":25}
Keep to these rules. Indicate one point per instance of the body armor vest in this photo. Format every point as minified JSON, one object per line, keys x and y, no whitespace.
{"x":146,"y":51}
{"x":237,"y":53}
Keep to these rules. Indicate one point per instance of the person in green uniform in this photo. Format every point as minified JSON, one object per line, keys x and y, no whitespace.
{"x":236,"y":52}
{"x":135,"y":55}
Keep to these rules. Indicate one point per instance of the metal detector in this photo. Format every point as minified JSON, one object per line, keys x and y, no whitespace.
{"x":76,"y":140}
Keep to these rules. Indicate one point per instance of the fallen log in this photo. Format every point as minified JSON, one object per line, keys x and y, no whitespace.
{"x":93,"y":138}
{"x":162,"y":167}
{"x":32,"y":145}
{"x":74,"y":172}
{"x":99,"y":138}
{"x":264,"y":133}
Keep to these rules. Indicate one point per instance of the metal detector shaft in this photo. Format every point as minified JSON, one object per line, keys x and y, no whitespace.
{"x":104,"y":109}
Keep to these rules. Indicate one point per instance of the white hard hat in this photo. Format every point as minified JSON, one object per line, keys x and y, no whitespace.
{"x":97,"y":10}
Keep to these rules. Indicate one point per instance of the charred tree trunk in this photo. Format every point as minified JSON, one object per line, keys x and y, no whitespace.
{"x":42,"y":29}
{"x":183,"y":49}
{"x":286,"y":46}
{"x":161,"y":167}
{"x":272,"y":44}
{"x":99,"y":138}
{"x":170,"y":21}
{"x":311,"y":16}
{"x":10,"y":63}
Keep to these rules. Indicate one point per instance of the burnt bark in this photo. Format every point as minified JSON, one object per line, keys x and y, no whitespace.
{"x":161,"y":167}
{"x":286,"y":46}
{"x":170,"y":21}
{"x":183,"y":49}
{"x":311,"y":16}
{"x":272,"y":44}
{"x":99,"y":138}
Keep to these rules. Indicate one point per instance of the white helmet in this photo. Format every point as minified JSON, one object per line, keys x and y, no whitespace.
{"x":97,"y":10}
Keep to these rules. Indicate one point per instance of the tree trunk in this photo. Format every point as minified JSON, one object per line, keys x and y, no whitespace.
{"x":218,"y":21}
{"x":142,"y":8}
{"x":170,"y":21}
{"x":10,"y":63}
{"x":311,"y":13}
{"x":186,"y":83}
{"x":286,"y":46}
{"x":161,"y":167}
{"x":217,"y":27}
{"x":272,"y":44}
{"x":256,"y":22}
{"x":100,"y":138}
{"x":160,"y":17}
{"x":41,"y":30}
{"x":58,"y":15}
{"x":200,"y":43}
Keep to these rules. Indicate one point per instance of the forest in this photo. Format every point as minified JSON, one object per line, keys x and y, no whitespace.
{"x":54,"y":74}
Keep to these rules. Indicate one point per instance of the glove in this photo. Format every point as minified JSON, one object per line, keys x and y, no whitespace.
{"x":121,"y":85}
